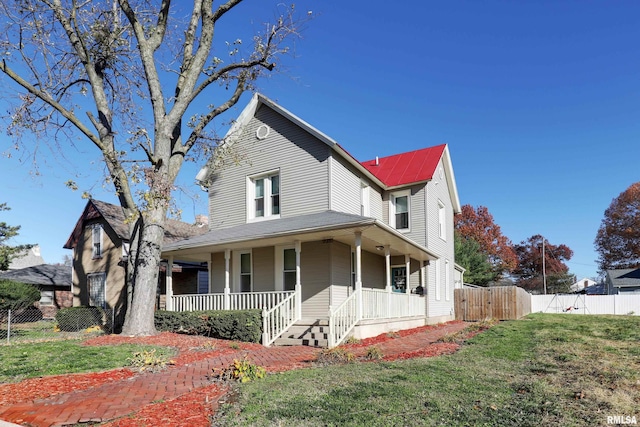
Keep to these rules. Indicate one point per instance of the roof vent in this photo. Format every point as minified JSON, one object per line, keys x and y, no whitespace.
{"x":377,"y":161}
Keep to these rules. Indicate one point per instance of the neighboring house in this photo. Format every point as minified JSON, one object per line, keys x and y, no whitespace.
{"x":624,"y":281}
{"x":300,"y":228}
{"x":27,"y":258}
{"x":100,"y":244}
{"x":54,"y":282}
{"x":582,"y":284}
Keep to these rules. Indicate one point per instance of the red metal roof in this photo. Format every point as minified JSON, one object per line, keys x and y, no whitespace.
{"x":406,"y":168}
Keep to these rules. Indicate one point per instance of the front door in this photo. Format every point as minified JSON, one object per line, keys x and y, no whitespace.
{"x":399,"y":279}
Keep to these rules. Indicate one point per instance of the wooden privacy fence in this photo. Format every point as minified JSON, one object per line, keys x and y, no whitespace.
{"x":499,"y":302}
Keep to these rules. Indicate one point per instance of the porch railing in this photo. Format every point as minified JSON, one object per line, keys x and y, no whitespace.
{"x":234,"y":301}
{"x":197,"y":302}
{"x":380,"y":304}
{"x":342,"y":319}
{"x":278,"y":319}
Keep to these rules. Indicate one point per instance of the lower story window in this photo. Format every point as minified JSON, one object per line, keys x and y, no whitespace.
{"x":46,"y":297}
{"x":245,"y":272}
{"x":289,"y":270}
{"x":97,"y":282}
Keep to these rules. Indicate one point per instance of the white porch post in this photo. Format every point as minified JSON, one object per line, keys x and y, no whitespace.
{"x":387,"y":262}
{"x":298,"y":281}
{"x":359,"y":275}
{"x":227,"y":289}
{"x":169,"y":285}
{"x":407,"y":262}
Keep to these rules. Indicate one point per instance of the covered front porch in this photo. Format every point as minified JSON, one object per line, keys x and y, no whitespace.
{"x":355,"y":274}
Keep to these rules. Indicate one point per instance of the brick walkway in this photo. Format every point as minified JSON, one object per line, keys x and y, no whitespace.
{"x":117,"y":399}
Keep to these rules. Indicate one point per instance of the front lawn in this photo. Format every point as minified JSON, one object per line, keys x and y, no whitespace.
{"x":571,"y":370}
{"x":21,"y":361}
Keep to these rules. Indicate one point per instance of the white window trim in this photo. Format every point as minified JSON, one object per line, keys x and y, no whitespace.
{"x":236,"y":270}
{"x":365,"y":200}
{"x":100,"y":238}
{"x":104,"y":286}
{"x":447,"y":280}
{"x":279,"y":271}
{"x":251,"y":193}
{"x":392,"y":209}
{"x":442,"y":221}
{"x":47,"y":297}
{"x":438,"y":279}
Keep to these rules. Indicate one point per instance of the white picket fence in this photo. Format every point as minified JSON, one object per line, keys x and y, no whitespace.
{"x":586,"y":304}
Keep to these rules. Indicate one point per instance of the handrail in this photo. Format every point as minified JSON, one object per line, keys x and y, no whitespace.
{"x":343,"y":318}
{"x":278,"y":319}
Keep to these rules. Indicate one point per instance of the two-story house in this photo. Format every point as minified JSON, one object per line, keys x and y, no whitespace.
{"x":328,"y":246}
{"x":100,"y":244}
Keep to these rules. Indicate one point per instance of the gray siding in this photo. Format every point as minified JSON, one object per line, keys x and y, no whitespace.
{"x":301,"y":159}
{"x":340,"y":264}
{"x":375,"y":202}
{"x":345,"y":187}
{"x":315,"y":272}
{"x":217,"y":267}
{"x":373,"y":271}
{"x":438,"y":190}
{"x":263,"y":269}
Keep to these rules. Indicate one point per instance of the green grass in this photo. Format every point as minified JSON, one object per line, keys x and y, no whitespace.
{"x":543,"y":370}
{"x":21,"y":361}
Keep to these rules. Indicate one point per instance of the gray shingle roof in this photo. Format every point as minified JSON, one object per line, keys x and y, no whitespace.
{"x":273,"y":228}
{"x":624,"y":277}
{"x":174,"y":230}
{"x":27,"y":258}
{"x":44,"y":274}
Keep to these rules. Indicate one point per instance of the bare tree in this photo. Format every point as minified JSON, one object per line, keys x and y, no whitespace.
{"x":123,"y":75}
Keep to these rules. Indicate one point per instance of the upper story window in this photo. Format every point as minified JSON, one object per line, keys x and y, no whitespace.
{"x":442,"y":221}
{"x":399,"y":210}
{"x":263,"y":196}
{"x":96,"y":240}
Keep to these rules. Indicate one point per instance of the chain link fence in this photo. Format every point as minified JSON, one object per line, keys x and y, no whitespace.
{"x":29,"y":325}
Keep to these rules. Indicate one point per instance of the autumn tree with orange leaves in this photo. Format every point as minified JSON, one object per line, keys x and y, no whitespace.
{"x":478,"y":225}
{"x":618,"y":239}
{"x":530,"y":267}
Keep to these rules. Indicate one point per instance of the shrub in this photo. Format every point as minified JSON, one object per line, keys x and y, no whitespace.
{"x":241,"y":370}
{"x":331,"y":356}
{"x":16,"y":295}
{"x":75,"y":319}
{"x":149,"y":361}
{"x":243,"y":325}
{"x":373,"y":353}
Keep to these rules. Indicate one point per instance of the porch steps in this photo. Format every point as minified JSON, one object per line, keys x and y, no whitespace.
{"x":312,"y":333}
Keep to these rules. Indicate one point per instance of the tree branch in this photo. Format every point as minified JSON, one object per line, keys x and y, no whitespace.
{"x":49,"y":100}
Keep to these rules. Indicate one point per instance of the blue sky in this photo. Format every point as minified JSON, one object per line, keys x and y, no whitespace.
{"x":538,"y":101}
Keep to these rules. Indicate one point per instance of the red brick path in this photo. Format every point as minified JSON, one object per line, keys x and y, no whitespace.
{"x":117,"y":399}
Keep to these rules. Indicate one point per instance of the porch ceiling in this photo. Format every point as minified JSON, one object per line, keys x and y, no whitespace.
{"x":336,"y":226}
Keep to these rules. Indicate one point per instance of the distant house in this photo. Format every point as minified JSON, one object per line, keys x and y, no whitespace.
{"x":27,"y":258}
{"x":623,"y":281}
{"x":326,"y":245}
{"x":100,"y":244}
{"x":54,"y":282}
{"x":582,"y":284}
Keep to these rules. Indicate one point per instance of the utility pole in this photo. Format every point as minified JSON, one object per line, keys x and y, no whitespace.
{"x":544,"y":269}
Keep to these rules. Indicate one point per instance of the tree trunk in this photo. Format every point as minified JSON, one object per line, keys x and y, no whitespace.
{"x":144,"y":263}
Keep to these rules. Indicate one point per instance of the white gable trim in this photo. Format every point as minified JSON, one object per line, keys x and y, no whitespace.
{"x":257,"y":99}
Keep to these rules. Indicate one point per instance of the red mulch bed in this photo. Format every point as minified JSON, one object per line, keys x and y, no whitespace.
{"x":194,"y":408}
{"x":378,"y":339}
{"x":41,"y":388}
